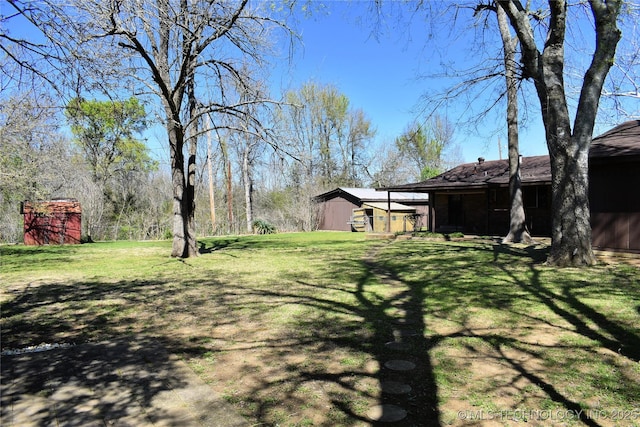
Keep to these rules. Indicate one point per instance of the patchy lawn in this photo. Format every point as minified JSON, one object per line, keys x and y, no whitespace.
{"x":298,"y":329}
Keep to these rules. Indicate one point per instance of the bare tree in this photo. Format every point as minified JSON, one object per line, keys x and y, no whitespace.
{"x":35,"y":159}
{"x":326,"y":140}
{"x":517,"y":223}
{"x":542,"y":31}
{"x":184,"y":52}
{"x":26,"y":61}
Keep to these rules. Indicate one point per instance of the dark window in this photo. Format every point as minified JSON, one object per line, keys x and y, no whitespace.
{"x":499,"y":198}
{"x":536,"y":197}
{"x":456,"y":215}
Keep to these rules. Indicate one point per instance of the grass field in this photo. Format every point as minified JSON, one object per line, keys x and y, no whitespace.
{"x":296,"y":329}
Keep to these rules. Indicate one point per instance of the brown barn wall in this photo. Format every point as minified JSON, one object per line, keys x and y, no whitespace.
{"x":334,"y":214}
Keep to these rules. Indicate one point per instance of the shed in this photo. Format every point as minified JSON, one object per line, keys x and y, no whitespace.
{"x":56,"y":221}
{"x":336,"y":208}
{"x":373,"y":217}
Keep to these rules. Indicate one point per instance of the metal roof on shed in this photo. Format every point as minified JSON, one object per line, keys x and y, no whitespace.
{"x":371,"y":194}
{"x":393,"y":206}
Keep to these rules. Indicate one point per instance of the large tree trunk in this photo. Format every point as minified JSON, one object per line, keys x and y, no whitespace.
{"x":571,"y":219}
{"x":569,"y":152}
{"x":184,"y":240}
{"x":517,"y":224}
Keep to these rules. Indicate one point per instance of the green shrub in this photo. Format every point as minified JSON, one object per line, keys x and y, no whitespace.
{"x":261,"y":226}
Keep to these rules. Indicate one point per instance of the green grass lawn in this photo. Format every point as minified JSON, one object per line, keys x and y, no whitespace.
{"x":294,"y":329}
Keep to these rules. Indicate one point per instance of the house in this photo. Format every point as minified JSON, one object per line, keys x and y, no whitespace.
{"x":52,"y":222}
{"x":474,"y":197}
{"x":365,"y":209}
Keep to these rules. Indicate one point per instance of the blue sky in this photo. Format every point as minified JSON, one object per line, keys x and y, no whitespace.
{"x":380,"y":75}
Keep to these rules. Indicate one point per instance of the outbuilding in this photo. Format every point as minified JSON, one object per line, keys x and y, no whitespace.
{"x":373,"y":217}
{"x":365,"y":209}
{"x":56,"y":222}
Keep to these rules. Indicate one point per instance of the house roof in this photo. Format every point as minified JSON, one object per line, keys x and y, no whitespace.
{"x":622,"y":140}
{"x":372,"y":195}
{"x":533,"y":170}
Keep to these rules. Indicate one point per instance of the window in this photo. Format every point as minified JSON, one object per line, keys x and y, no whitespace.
{"x":536,"y":197}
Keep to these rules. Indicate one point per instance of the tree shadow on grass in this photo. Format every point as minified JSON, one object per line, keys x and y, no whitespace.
{"x":127,"y":381}
{"x":74,"y":312}
{"x":446,"y":292}
{"x":399,"y":336}
{"x":566,"y":299}
{"x":92,"y":383}
{"x":69,"y":359}
{"x":380,"y":329}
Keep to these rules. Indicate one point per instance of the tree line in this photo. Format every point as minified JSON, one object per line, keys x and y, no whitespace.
{"x":95,"y":151}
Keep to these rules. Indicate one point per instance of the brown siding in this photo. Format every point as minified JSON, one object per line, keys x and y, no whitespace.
{"x":537,"y":209}
{"x":488,"y":212}
{"x":615,"y":208}
{"x":334,"y":214}
{"x":499,"y":210}
{"x":441,"y":211}
{"x":616,"y":230}
{"x":475,"y":206}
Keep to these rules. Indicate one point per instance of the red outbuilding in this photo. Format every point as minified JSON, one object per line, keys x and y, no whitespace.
{"x":55,"y":222}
